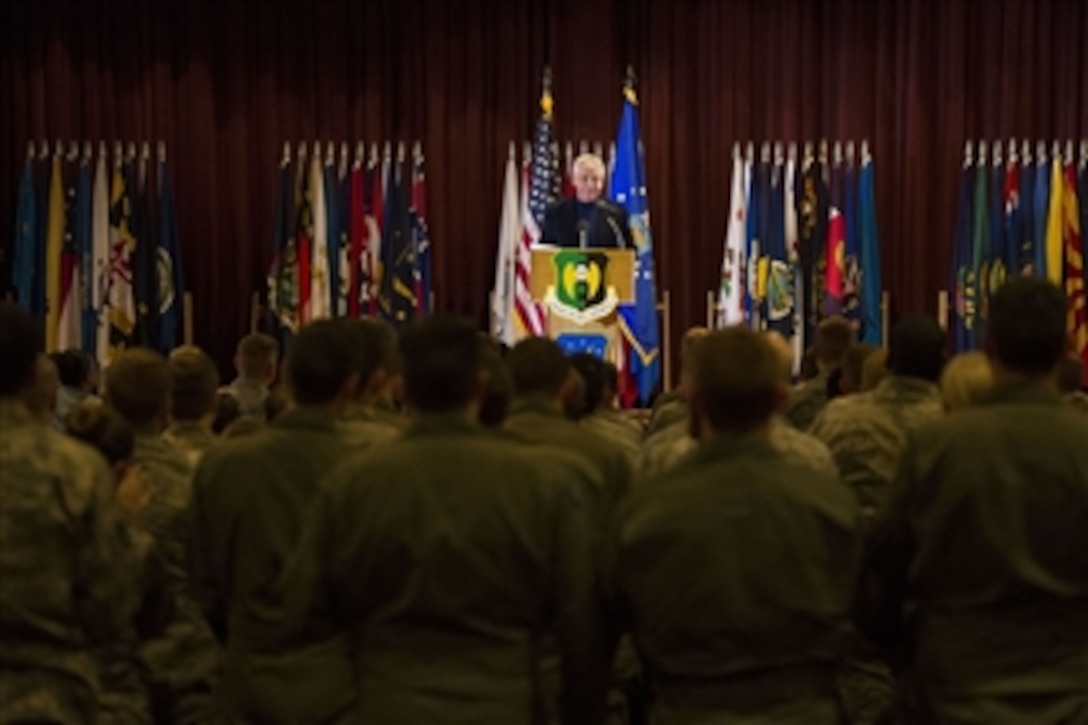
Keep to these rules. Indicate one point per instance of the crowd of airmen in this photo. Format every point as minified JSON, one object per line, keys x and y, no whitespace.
{"x":435,"y":529}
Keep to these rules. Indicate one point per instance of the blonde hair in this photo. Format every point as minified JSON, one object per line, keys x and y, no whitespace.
{"x":591,"y":161}
{"x":966,"y":380}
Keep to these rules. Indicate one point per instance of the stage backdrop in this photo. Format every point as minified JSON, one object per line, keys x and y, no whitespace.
{"x":224,"y":83}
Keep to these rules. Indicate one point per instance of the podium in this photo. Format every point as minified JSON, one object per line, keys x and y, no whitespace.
{"x":581,"y":290}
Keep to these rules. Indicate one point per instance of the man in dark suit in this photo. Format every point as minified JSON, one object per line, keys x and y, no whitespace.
{"x":587,"y":220}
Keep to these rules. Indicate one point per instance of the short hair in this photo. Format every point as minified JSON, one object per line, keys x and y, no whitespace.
{"x":255,"y":352}
{"x":573,"y":395}
{"x":440,"y":357}
{"x":874,"y":369}
{"x":73,"y":367}
{"x":834,"y":336}
{"x":738,"y":379}
{"x":1070,"y":373}
{"x":688,"y":343}
{"x":853,"y":362}
{"x":784,"y":352}
{"x":104,"y":429}
{"x":195,"y":383}
{"x":499,"y":390}
{"x":322,"y":356}
{"x":591,"y":368}
{"x":917,"y":348}
{"x":809,"y":370}
{"x":20,"y":343}
{"x":41,"y":397}
{"x":590,"y":159}
{"x":538,"y":366}
{"x":138,"y":385}
{"x":966,"y":380}
{"x":611,"y":376}
{"x":377,"y":348}
{"x":1026,"y":331}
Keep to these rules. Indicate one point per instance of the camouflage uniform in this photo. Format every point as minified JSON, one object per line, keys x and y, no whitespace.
{"x":539,"y":424}
{"x":807,"y":401}
{"x":867,"y":432}
{"x":366,"y":425}
{"x":1078,"y":400}
{"x":799,"y":448}
{"x":183,"y":662}
{"x":734,"y":570}
{"x":62,"y":592}
{"x":450,"y":557}
{"x":669,"y":408}
{"x":251,"y":395}
{"x":250,"y":499}
{"x":977,"y":573}
{"x":191,"y":439}
{"x":619,"y":428}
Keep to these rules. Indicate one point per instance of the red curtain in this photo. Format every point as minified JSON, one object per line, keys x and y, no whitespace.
{"x":225,"y":83}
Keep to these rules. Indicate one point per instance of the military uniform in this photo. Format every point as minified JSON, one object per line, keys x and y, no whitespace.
{"x":798,"y":448}
{"x":1079,"y":400}
{"x":251,"y":395}
{"x":183,"y":662}
{"x":61,"y":591}
{"x":806,"y":402}
{"x":367,"y":425}
{"x":540,"y":424}
{"x":867,"y":432}
{"x":977,"y":574}
{"x":450,"y":557}
{"x":250,"y":499}
{"x":191,"y":439}
{"x":669,"y":409}
{"x":619,"y":428}
{"x":752,"y":633}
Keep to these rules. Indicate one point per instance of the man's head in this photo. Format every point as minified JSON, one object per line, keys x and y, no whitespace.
{"x":874,"y":369}
{"x":441,"y":359}
{"x":966,"y":380}
{"x":592,"y":371}
{"x":20,"y":343}
{"x":1026,"y":333}
{"x":1070,"y":372}
{"x":737,"y":383}
{"x":784,"y":353}
{"x":853,"y":364}
{"x":378,"y":361}
{"x":538,"y":368}
{"x":41,"y":397}
{"x":256,"y":358}
{"x":75,"y":368}
{"x":917,"y":348}
{"x":323,"y":364}
{"x":195,"y":384}
{"x":688,"y":344}
{"x":834,"y":336}
{"x":588,"y":172}
{"x":139,"y":387}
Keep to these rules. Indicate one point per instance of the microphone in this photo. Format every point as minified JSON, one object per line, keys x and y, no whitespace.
{"x":583,"y":233}
{"x":620,"y":242}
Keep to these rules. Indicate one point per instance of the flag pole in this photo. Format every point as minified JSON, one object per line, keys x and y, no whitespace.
{"x":663,"y":311}
{"x":710,"y":309}
{"x":942,"y":309}
{"x":187,"y":319}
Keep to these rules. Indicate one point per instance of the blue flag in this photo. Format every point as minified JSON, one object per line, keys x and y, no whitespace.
{"x":639,"y":321}
{"x":980,"y":245}
{"x":84,"y":248}
{"x":171,"y":282}
{"x":778,"y":305}
{"x":282,"y":292}
{"x":397,"y":294}
{"x":332,"y":235}
{"x":421,"y":238}
{"x":26,"y":240}
{"x":964,"y":298}
{"x":998,"y":254}
{"x":869,"y":252}
{"x":1040,"y":208}
{"x":42,"y":176}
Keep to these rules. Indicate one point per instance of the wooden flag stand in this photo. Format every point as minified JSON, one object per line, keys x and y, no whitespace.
{"x":187,"y":318}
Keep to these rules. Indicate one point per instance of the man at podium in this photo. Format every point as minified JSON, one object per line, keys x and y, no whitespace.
{"x":586,"y":220}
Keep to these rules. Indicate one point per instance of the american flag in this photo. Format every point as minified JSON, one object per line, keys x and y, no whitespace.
{"x":541,"y":177}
